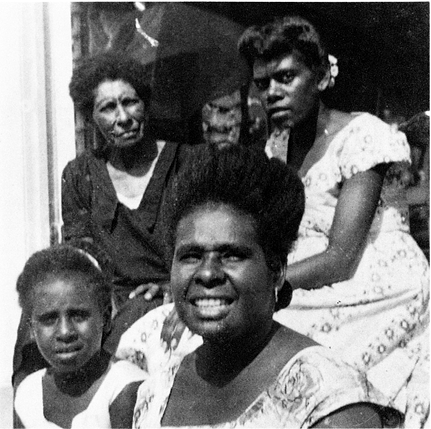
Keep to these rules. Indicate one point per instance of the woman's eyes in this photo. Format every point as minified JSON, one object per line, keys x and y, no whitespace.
{"x":192,"y":258}
{"x":280,"y":77}
{"x":80,"y":316}
{"x":108,"y":107}
{"x":233,"y":256}
{"x":189,"y":258}
{"x":284,"y":77}
{"x":126,"y":102}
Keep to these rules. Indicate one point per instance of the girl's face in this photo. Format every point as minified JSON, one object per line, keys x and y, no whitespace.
{"x":67,"y":322}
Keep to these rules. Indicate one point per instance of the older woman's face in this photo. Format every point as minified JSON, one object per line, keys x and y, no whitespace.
{"x":288,"y":88}
{"x":222,"y":286}
{"x":119,"y":113}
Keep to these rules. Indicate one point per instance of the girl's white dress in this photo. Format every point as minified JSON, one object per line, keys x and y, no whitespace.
{"x":29,"y":398}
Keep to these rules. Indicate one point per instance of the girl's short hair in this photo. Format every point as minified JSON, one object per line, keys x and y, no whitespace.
{"x":281,"y":37}
{"x":63,"y":261}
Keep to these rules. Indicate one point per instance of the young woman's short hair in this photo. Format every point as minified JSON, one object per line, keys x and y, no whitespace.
{"x":281,"y":37}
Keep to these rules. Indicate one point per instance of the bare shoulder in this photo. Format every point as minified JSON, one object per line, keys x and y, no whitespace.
{"x":339,"y":120}
{"x":291,"y":342}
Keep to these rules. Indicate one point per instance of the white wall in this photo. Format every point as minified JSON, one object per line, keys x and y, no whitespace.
{"x":36,"y":130}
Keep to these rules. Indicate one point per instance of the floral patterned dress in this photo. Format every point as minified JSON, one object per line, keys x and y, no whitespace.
{"x":311,"y":385}
{"x":379,"y":319}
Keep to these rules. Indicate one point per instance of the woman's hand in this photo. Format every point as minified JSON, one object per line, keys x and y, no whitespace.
{"x":172,"y":330}
{"x":151,"y":290}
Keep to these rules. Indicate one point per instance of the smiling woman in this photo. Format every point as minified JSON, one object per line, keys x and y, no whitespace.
{"x":233,"y":217}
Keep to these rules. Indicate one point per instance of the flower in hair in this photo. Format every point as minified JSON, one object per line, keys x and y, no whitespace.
{"x":333,"y":70}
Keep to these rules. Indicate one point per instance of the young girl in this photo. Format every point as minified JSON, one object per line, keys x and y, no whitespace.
{"x":67,"y":301}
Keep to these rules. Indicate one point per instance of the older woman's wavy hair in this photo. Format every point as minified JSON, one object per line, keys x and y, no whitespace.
{"x":110,"y":65}
{"x":245,"y":179}
{"x":283,"y":36}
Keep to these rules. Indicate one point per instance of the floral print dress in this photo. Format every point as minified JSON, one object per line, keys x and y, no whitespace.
{"x":379,"y":319}
{"x":313,"y":384}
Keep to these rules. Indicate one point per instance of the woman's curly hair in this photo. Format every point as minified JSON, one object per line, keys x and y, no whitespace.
{"x":109,"y":65}
{"x":281,"y":37}
{"x":247,"y":180}
{"x":63,"y":261}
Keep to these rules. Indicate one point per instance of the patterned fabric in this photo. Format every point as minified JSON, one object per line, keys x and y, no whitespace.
{"x":379,"y":319}
{"x":312,"y":384}
{"x":97,"y":413}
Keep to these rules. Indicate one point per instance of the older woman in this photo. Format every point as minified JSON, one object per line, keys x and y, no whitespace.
{"x":112,"y":193}
{"x":233,"y":218}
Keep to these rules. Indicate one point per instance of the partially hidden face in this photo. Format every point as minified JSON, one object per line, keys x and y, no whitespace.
{"x":119,"y":113}
{"x":222,"y":286}
{"x":221,"y":120}
{"x":67,"y":322}
{"x":288,"y":88}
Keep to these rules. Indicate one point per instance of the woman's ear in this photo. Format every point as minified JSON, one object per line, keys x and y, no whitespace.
{"x":279,"y":277}
{"x":324,"y":81}
{"x":30,"y":329}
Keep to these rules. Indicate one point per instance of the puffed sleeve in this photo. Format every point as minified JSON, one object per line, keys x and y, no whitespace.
{"x":76,"y":201}
{"x":369,"y":142}
{"x":316,"y":383}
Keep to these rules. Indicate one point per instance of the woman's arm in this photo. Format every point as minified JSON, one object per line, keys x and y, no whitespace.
{"x":353,"y":416}
{"x":75,"y":204}
{"x":354,"y":214}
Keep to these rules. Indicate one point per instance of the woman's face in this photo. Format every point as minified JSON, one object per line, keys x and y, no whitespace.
{"x":289,"y":90}
{"x":119,"y":113}
{"x":66,"y":322}
{"x":222,"y":286}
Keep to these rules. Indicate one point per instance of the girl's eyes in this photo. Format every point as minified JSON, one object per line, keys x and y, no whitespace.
{"x":51,"y":318}
{"x":47,"y":319}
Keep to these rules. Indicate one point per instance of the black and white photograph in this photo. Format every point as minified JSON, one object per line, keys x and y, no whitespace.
{"x":215,"y":214}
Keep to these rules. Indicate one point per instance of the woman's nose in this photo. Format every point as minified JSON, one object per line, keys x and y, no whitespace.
{"x":122,"y":115}
{"x":274,"y":90}
{"x":210,"y":272}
